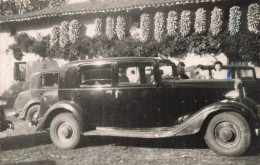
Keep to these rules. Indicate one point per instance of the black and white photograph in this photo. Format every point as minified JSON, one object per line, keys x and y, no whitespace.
{"x":131,"y":82}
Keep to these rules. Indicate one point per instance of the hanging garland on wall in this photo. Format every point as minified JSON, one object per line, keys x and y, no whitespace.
{"x":159,"y":26}
{"x":185,"y":23}
{"x":234,"y":20}
{"x":120,"y":27}
{"x":200,"y":21}
{"x":64,"y":34}
{"x":145,"y":25}
{"x":74,"y":31}
{"x":98,"y":27}
{"x":110,"y":27}
{"x":216,"y":21}
{"x":55,"y":35}
{"x":172,"y":23}
{"x":253,"y":18}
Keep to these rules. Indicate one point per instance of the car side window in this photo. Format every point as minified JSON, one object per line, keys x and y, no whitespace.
{"x":96,"y":75}
{"x":49,"y":80}
{"x":135,"y":74}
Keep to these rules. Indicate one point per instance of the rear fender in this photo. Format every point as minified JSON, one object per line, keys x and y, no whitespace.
{"x":193,"y":124}
{"x":27,"y":106}
{"x":60,"y":107}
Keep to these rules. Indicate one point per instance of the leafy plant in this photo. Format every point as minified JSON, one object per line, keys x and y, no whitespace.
{"x":17,"y":51}
{"x":24,"y":41}
{"x":40,"y":48}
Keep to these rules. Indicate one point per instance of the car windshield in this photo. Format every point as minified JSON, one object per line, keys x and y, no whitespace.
{"x":244,"y":73}
{"x":167,"y":70}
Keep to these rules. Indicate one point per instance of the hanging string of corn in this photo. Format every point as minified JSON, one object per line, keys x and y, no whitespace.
{"x":145,"y":25}
{"x":234,"y":20}
{"x":110,"y":27}
{"x":185,"y":23}
{"x":120,"y":27}
{"x":253,"y":18}
{"x":64,"y":34}
{"x":55,"y":35}
{"x":200,"y":21}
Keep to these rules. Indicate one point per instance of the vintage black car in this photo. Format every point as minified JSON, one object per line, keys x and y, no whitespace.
{"x":27,"y":102}
{"x":142,"y":97}
{"x":4,"y":124}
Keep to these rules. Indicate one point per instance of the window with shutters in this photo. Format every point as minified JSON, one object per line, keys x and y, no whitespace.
{"x":19,"y":71}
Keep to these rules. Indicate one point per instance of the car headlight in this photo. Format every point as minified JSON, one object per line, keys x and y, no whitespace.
{"x":234,"y":95}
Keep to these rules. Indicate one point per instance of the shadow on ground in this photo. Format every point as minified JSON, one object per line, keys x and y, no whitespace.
{"x":189,"y":142}
{"x":184,"y":142}
{"x":24,"y":141}
{"x":43,"y":162}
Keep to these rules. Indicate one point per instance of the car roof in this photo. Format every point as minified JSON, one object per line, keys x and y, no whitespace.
{"x":45,"y":71}
{"x":113,"y":59}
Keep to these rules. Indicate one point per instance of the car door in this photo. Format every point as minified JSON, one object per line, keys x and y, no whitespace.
{"x":96,"y":93}
{"x":136,"y":98}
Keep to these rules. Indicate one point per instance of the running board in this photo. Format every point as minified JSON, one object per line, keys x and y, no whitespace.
{"x":136,"y":132}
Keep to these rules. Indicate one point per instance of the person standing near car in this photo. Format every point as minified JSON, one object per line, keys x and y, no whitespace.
{"x":219,"y":73}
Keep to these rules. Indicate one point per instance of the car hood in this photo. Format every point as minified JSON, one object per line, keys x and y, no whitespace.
{"x":200,"y":83}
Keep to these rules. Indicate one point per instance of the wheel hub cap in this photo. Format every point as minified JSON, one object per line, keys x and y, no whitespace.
{"x":226,"y":134}
{"x":65,"y":131}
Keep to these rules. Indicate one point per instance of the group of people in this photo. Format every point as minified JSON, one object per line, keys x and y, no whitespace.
{"x":201,"y":73}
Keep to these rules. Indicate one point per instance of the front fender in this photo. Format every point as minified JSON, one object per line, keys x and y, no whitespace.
{"x":27,"y":106}
{"x":193,"y":124}
{"x":59,"y":107}
{"x":20,"y":101}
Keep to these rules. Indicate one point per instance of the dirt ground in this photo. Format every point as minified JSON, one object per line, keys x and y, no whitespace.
{"x":23,"y":146}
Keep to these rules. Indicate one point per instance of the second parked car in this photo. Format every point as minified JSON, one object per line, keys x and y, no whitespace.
{"x":27,"y":102}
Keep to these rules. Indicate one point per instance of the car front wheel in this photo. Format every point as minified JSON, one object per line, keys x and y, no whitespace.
{"x":228,"y":133}
{"x":65,"y":131}
{"x":32,"y":113}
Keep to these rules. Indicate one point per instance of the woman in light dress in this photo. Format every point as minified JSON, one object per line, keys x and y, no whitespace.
{"x":218,"y":73}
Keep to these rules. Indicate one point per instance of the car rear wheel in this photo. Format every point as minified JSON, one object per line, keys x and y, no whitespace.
{"x":32,"y":113}
{"x":228,"y":133}
{"x":65,"y":131}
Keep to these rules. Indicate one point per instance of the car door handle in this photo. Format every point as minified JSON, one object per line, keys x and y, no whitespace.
{"x":117,"y":93}
{"x":109,"y":92}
